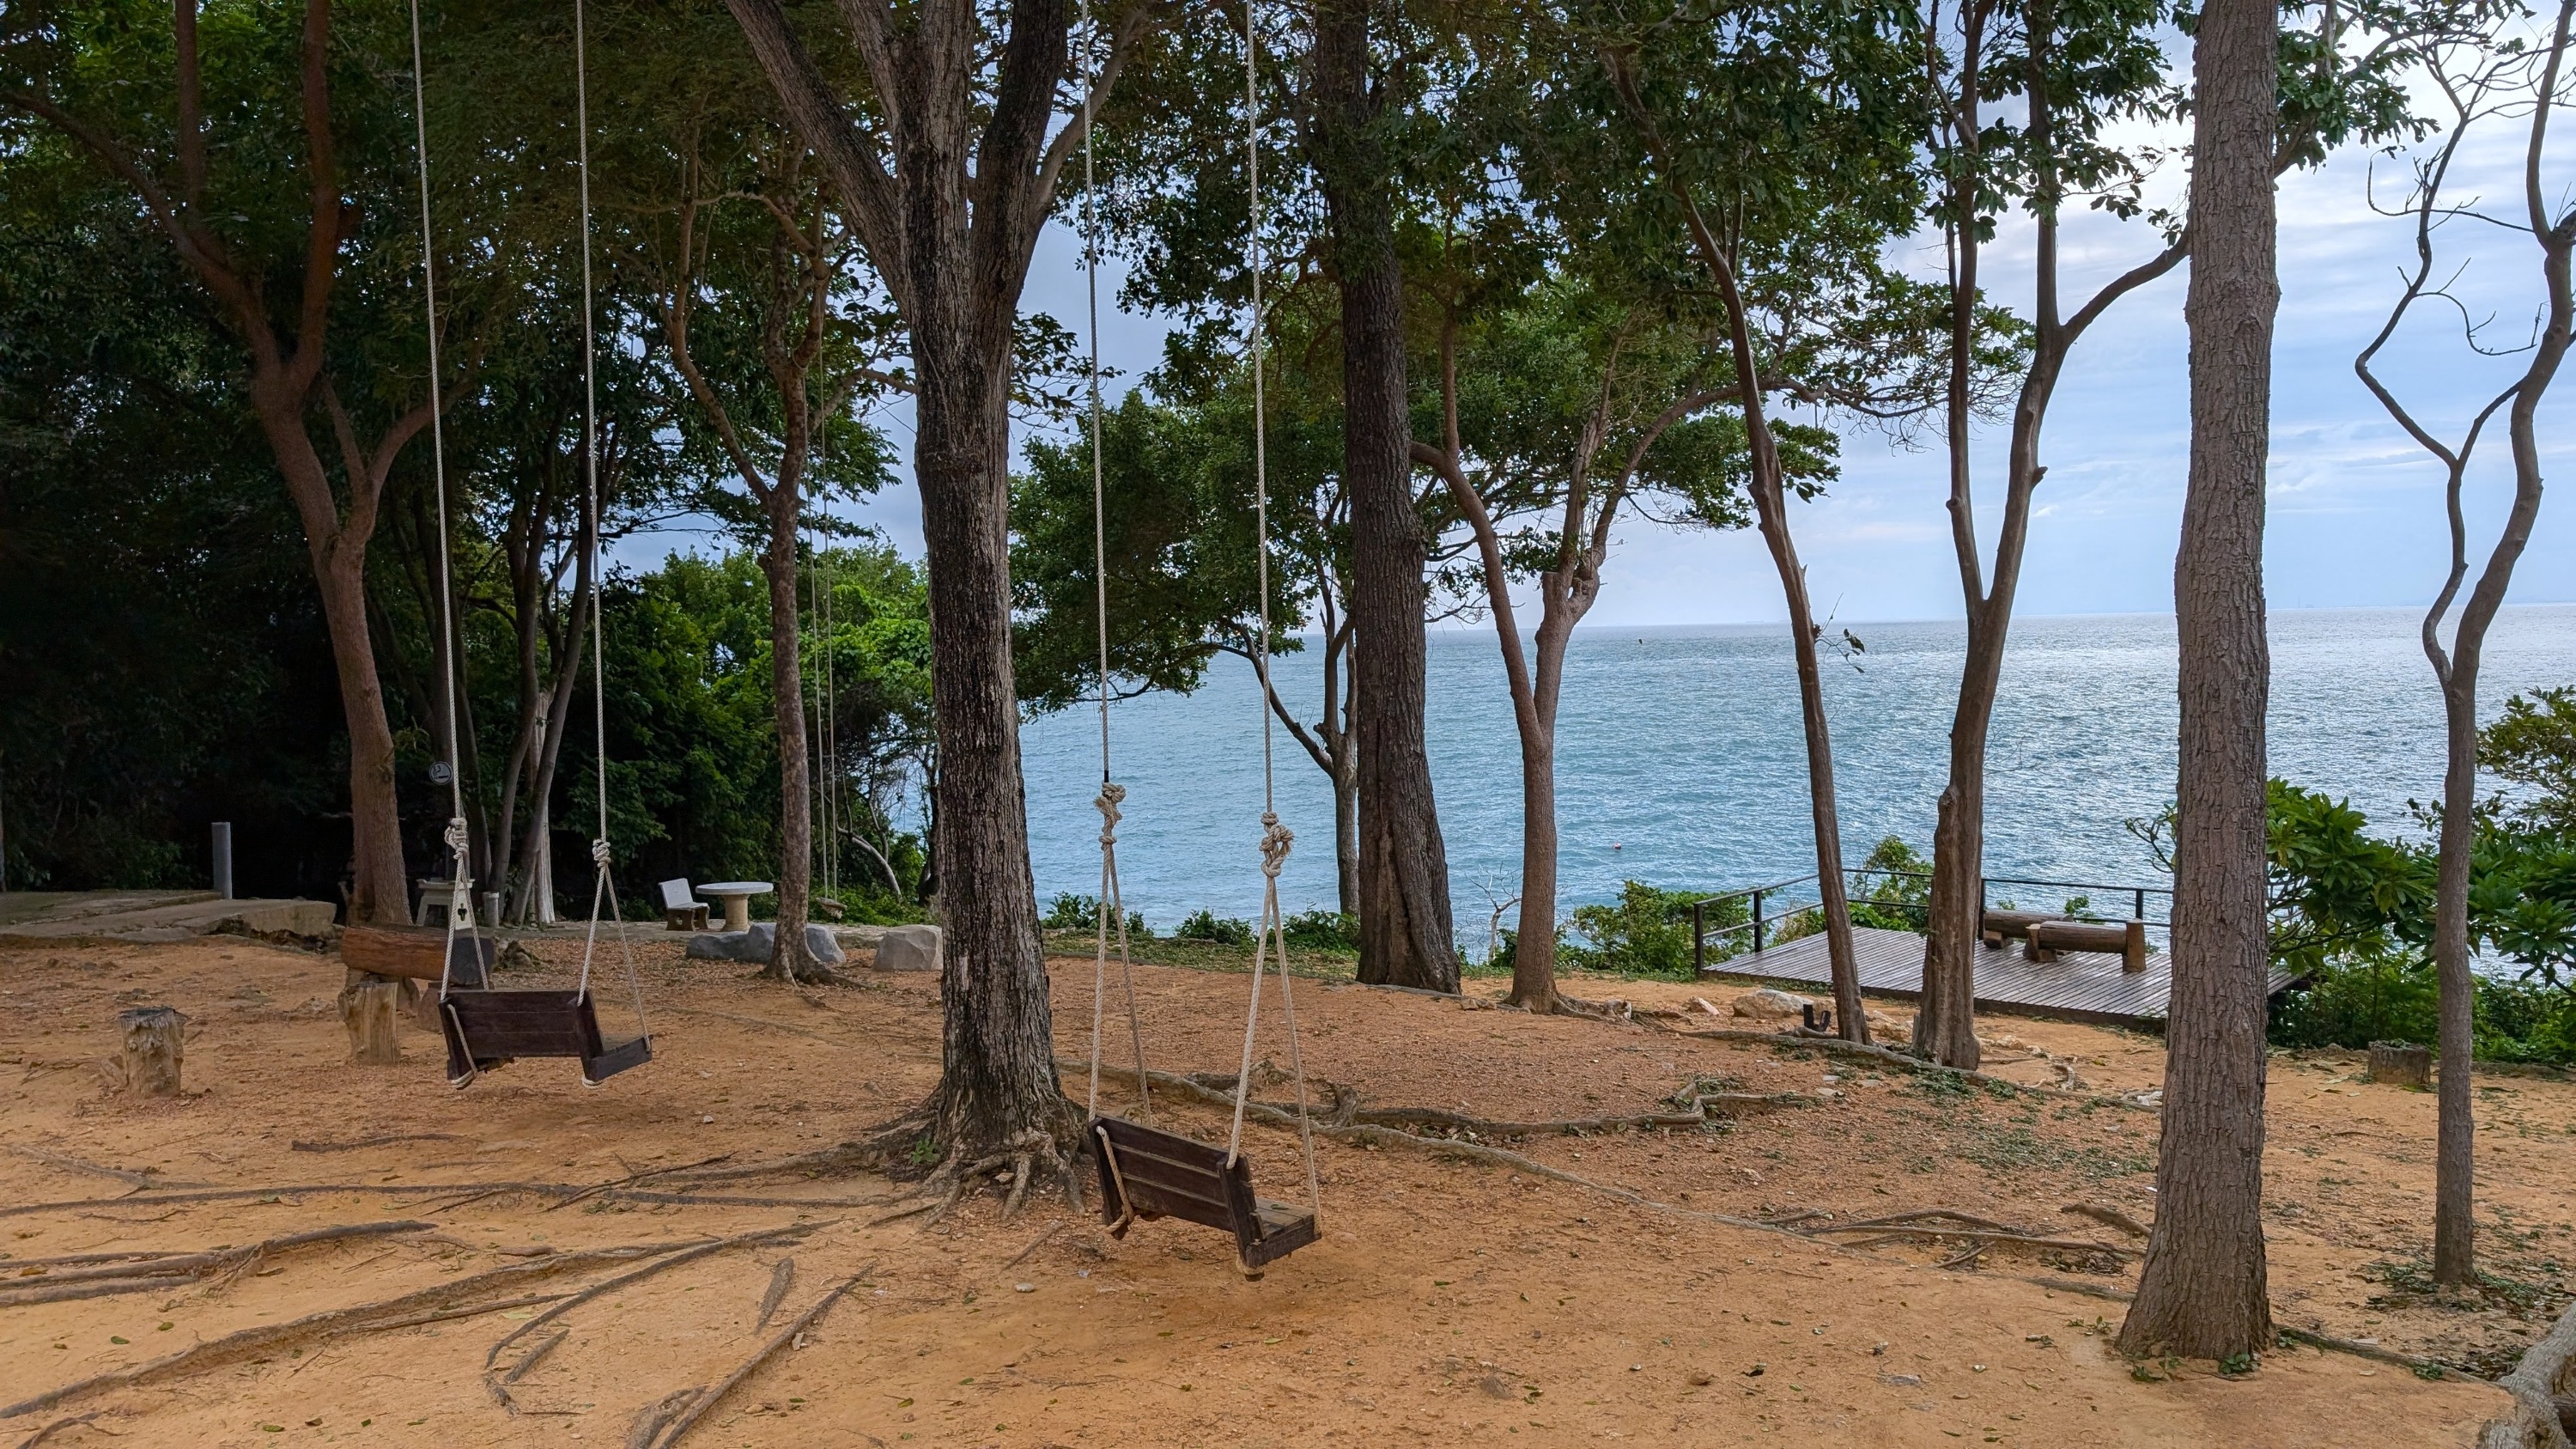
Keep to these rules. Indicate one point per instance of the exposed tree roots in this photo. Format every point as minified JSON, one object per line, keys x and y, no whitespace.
{"x":162,"y":1272}
{"x":456,"y":1298}
{"x":497,"y":1383}
{"x":700,"y":1405}
{"x":434,"y":1192}
{"x":1697,"y":1102}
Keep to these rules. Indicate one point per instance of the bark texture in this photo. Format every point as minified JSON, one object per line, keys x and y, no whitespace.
{"x":1403,"y":867}
{"x":947,"y":196}
{"x":2202,"y":1292}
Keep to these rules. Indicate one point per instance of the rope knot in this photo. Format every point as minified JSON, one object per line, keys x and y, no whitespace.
{"x":457,"y":838}
{"x":599,"y":854}
{"x":1275,"y":840}
{"x":1111,"y":793}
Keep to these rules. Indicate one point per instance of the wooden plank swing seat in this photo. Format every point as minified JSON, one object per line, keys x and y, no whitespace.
{"x":485,"y":1029}
{"x":1146,"y":1172}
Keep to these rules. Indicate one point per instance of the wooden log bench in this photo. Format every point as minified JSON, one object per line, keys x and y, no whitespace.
{"x":1995,"y":927}
{"x":417,"y":953}
{"x":2044,"y":939}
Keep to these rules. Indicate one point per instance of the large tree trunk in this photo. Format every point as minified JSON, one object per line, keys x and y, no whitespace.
{"x":2202,"y":1293}
{"x":999,"y":1033}
{"x":1405,"y":930}
{"x":789,"y":958}
{"x":1346,"y":826}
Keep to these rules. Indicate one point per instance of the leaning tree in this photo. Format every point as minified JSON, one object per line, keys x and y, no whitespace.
{"x":2487,"y":76}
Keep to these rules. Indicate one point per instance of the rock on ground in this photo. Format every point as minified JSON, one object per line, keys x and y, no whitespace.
{"x":1767,"y":1004}
{"x":758,"y":944}
{"x":909,"y":948}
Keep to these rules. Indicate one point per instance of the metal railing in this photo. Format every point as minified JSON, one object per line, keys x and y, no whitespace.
{"x":1761,"y":896}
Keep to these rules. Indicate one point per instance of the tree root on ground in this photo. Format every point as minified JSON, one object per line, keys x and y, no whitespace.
{"x":700,"y":1405}
{"x":428,"y":1304}
{"x":92,"y":1169}
{"x":1836,"y":1046}
{"x":1939,"y":1223}
{"x":171,"y":1270}
{"x":441,"y":1192}
{"x":496,"y":1383}
{"x":1344,"y":1109}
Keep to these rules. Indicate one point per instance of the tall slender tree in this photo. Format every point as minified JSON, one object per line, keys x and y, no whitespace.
{"x":946,"y":171}
{"x":2483,"y":77}
{"x":2202,"y":1293}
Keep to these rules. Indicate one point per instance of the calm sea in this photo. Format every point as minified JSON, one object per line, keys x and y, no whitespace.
{"x":1679,"y":758}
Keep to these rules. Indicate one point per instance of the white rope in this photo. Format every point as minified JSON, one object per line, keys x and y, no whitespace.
{"x":1111,"y":905}
{"x":1275,"y":837}
{"x":460,"y":898}
{"x":603,"y":890}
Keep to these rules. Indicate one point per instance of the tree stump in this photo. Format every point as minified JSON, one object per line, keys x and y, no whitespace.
{"x":2401,"y":1065}
{"x":367,"y":1006}
{"x":155,"y":1040}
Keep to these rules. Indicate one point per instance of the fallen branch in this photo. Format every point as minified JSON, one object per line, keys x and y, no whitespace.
{"x":689,"y":1418}
{"x":687,"y":1254}
{"x":356,"y":1318}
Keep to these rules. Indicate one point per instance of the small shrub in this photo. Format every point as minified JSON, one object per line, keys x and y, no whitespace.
{"x":1205,"y":925}
{"x":1321,"y":929}
{"x":1883,"y":897}
{"x":1646,"y":933}
{"x":1070,"y":912}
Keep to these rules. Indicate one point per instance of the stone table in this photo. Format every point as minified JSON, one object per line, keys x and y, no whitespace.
{"x":736,"y":896}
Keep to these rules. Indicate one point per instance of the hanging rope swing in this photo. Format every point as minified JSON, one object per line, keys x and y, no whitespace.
{"x":1145,"y":1171}
{"x":484,"y":1026}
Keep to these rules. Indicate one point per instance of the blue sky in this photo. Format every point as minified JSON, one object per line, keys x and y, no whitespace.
{"x":2355,"y":507}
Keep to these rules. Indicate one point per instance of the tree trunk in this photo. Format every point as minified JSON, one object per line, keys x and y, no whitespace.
{"x":790,"y":959}
{"x":2202,"y":1292}
{"x":1945,"y":1026}
{"x":1346,"y":825}
{"x":1405,"y":928}
{"x":381,"y":893}
{"x":999,"y":1034}
{"x":1534,"y":944}
{"x":1834,"y":896}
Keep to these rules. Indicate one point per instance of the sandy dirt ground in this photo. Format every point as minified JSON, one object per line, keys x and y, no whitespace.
{"x":1448,"y":1301}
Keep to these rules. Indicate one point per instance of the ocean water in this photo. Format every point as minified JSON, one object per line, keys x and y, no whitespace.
{"x":1680,"y":761}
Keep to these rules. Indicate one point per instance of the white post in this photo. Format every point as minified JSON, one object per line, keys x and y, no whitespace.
{"x":223,"y":852}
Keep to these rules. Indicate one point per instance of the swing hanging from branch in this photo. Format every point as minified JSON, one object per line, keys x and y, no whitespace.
{"x":1145,"y":1171}
{"x":485,"y":1026}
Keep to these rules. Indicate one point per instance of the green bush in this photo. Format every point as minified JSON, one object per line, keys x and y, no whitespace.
{"x":1883,"y":899}
{"x":1223,"y":930}
{"x":1322,"y":930}
{"x":2354,"y":1000}
{"x":1647,"y":932}
{"x":1070,"y":912}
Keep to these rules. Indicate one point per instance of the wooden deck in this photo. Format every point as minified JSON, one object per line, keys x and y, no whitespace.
{"x":2077,"y":986}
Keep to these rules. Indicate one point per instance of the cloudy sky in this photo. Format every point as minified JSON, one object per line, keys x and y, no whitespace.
{"x":2356,"y":508}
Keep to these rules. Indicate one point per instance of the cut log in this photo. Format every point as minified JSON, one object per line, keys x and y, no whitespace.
{"x":2124,"y":939}
{"x":1997,"y":927}
{"x":414,"y":953}
{"x":154,"y":1042}
{"x":2401,"y":1064}
{"x":367,"y":1006}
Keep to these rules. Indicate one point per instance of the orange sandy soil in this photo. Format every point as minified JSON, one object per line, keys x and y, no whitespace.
{"x":1448,"y":1302}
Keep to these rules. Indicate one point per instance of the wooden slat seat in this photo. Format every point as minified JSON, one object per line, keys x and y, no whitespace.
{"x":485,"y":1029}
{"x":1146,"y":1172}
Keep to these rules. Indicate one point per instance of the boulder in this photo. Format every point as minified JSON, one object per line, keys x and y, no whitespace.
{"x":1767,"y":1004}
{"x":755,"y":946}
{"x":909,"y":948}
